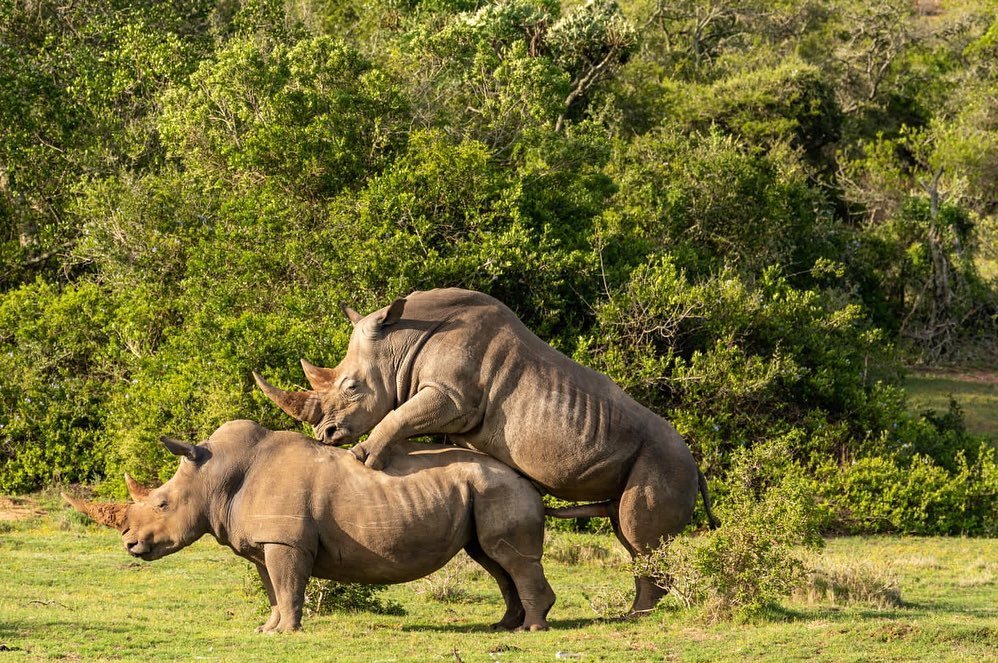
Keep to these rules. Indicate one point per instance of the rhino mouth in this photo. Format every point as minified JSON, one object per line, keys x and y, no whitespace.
{"x":334,"y":435}
{"x":148,"y":552}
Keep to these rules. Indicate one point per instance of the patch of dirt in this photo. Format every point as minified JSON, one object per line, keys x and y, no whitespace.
{"x":978,"y":376}
{"x":16,"y":508}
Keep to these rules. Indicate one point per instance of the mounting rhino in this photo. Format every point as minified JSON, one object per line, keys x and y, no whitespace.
{"x":460,"y":363}
{"x":296,"y":509}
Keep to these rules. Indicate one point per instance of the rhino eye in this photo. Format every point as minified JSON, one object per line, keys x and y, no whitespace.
{"x":160,"y":504}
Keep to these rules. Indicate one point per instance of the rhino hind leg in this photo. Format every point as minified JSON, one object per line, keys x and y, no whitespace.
{"x":512,"y":535}
{"x":289,"y":569}
{"x":656,"y":504}
{"x":514,"y":607}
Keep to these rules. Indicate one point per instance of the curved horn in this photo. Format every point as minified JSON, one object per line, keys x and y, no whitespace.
{"x":320,"y":378}
{"x":302,"y":405}
{"x":136,"y":489}
{"x":110,"y":514}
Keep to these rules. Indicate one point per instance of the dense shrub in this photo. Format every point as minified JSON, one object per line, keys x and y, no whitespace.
{"x":755,"y":558}
{"x":58,"y":360}
{"x":917,"y":496}
{"x":734,"y":363}
{"x":712,"y":201}
{"x":768,"y":106}
{"x":738,"y":212}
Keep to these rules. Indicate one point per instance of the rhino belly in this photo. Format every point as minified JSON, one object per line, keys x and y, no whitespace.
{"x":393,"y":540}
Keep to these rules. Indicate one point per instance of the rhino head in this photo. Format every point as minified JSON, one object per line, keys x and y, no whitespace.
{"x":159,"y":521}
{"x":347,"y":401}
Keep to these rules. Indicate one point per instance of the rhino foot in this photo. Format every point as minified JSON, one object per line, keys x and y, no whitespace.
{"x":541,"y":626}
{"x":374,"y":456}
{"x":499,"y":626}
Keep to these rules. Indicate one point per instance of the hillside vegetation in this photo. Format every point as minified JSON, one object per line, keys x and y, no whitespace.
{"x":749,"y":214}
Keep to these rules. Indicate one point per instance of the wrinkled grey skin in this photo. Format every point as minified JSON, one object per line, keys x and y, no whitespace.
{"x":296,"y":508}
{"x":460,"y":363}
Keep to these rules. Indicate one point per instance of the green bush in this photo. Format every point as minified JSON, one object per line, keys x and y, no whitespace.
{"x":755,"y":557}
{"x":792,"y":102}
{"x":712,"y":202}
{"x":734,"y":363}
{"x":57,"y":361}
{"x":915,"y":496}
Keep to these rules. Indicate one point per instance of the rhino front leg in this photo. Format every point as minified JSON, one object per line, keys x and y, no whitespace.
{"x":289,"y":569}
{"x":275,"y":614}
{"x":429,"y":411}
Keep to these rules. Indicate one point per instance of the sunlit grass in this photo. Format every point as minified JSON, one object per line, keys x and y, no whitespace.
{"x":69,"y":591}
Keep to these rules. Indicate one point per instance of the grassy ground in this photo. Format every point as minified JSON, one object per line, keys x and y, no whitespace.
{"x":70,"y":592}
{"x":976,"y":391}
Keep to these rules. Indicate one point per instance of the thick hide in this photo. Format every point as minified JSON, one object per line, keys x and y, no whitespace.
{"x":297,"y":509}
{"x":461,"y":364}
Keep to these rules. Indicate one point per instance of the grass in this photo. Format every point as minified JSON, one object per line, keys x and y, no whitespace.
{"x":975,"y":391}
{"x":70,"y":592}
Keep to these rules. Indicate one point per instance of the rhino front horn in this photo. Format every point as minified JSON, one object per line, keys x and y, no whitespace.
{"x":302,"y":405}
{"x":110,"y":514}
{"x":136,"y":489}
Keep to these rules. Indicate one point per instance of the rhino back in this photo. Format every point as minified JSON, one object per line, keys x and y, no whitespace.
{"x":566,"y":426}
{"x":361,"y":524}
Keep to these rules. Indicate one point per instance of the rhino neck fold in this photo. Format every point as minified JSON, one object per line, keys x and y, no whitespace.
{"x":220,"y":516}
{"x":403,"y":370}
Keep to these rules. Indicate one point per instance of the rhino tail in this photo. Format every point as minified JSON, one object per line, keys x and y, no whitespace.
{"x":702,"y":480}
{"x":594,"y":510}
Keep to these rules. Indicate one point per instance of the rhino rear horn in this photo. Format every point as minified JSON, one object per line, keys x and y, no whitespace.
{"x":191,"y":452}
{"x":320,"y":378}
{"x":136,"y":489}
{"x":110,"y":514}
{"x":302,"y":405}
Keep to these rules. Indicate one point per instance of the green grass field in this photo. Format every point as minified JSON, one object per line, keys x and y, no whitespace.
{"x":70,"y":592}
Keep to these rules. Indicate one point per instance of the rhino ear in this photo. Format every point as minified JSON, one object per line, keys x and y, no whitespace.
{"x":390,"y":315}
{"x":136,"y":489}
{"x":351,"y":314}
{"x":191,"y":452}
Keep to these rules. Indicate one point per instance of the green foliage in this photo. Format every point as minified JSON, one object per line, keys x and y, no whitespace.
{"x":733,"y":363}
{"x":711,"y":201}
{"x":755,"y":558}
{"x":914,"y":496}
{"x":736,"y":209}
{"x":791,"y":102}
{"x":57,"y":362}
{"x":313,"y":115}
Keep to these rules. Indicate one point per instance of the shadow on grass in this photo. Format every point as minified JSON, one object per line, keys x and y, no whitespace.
{"x":555,"y":624}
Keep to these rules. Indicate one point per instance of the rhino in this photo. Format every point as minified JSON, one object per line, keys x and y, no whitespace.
{"x":460,"y":363}
{"x":290,"y":505}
